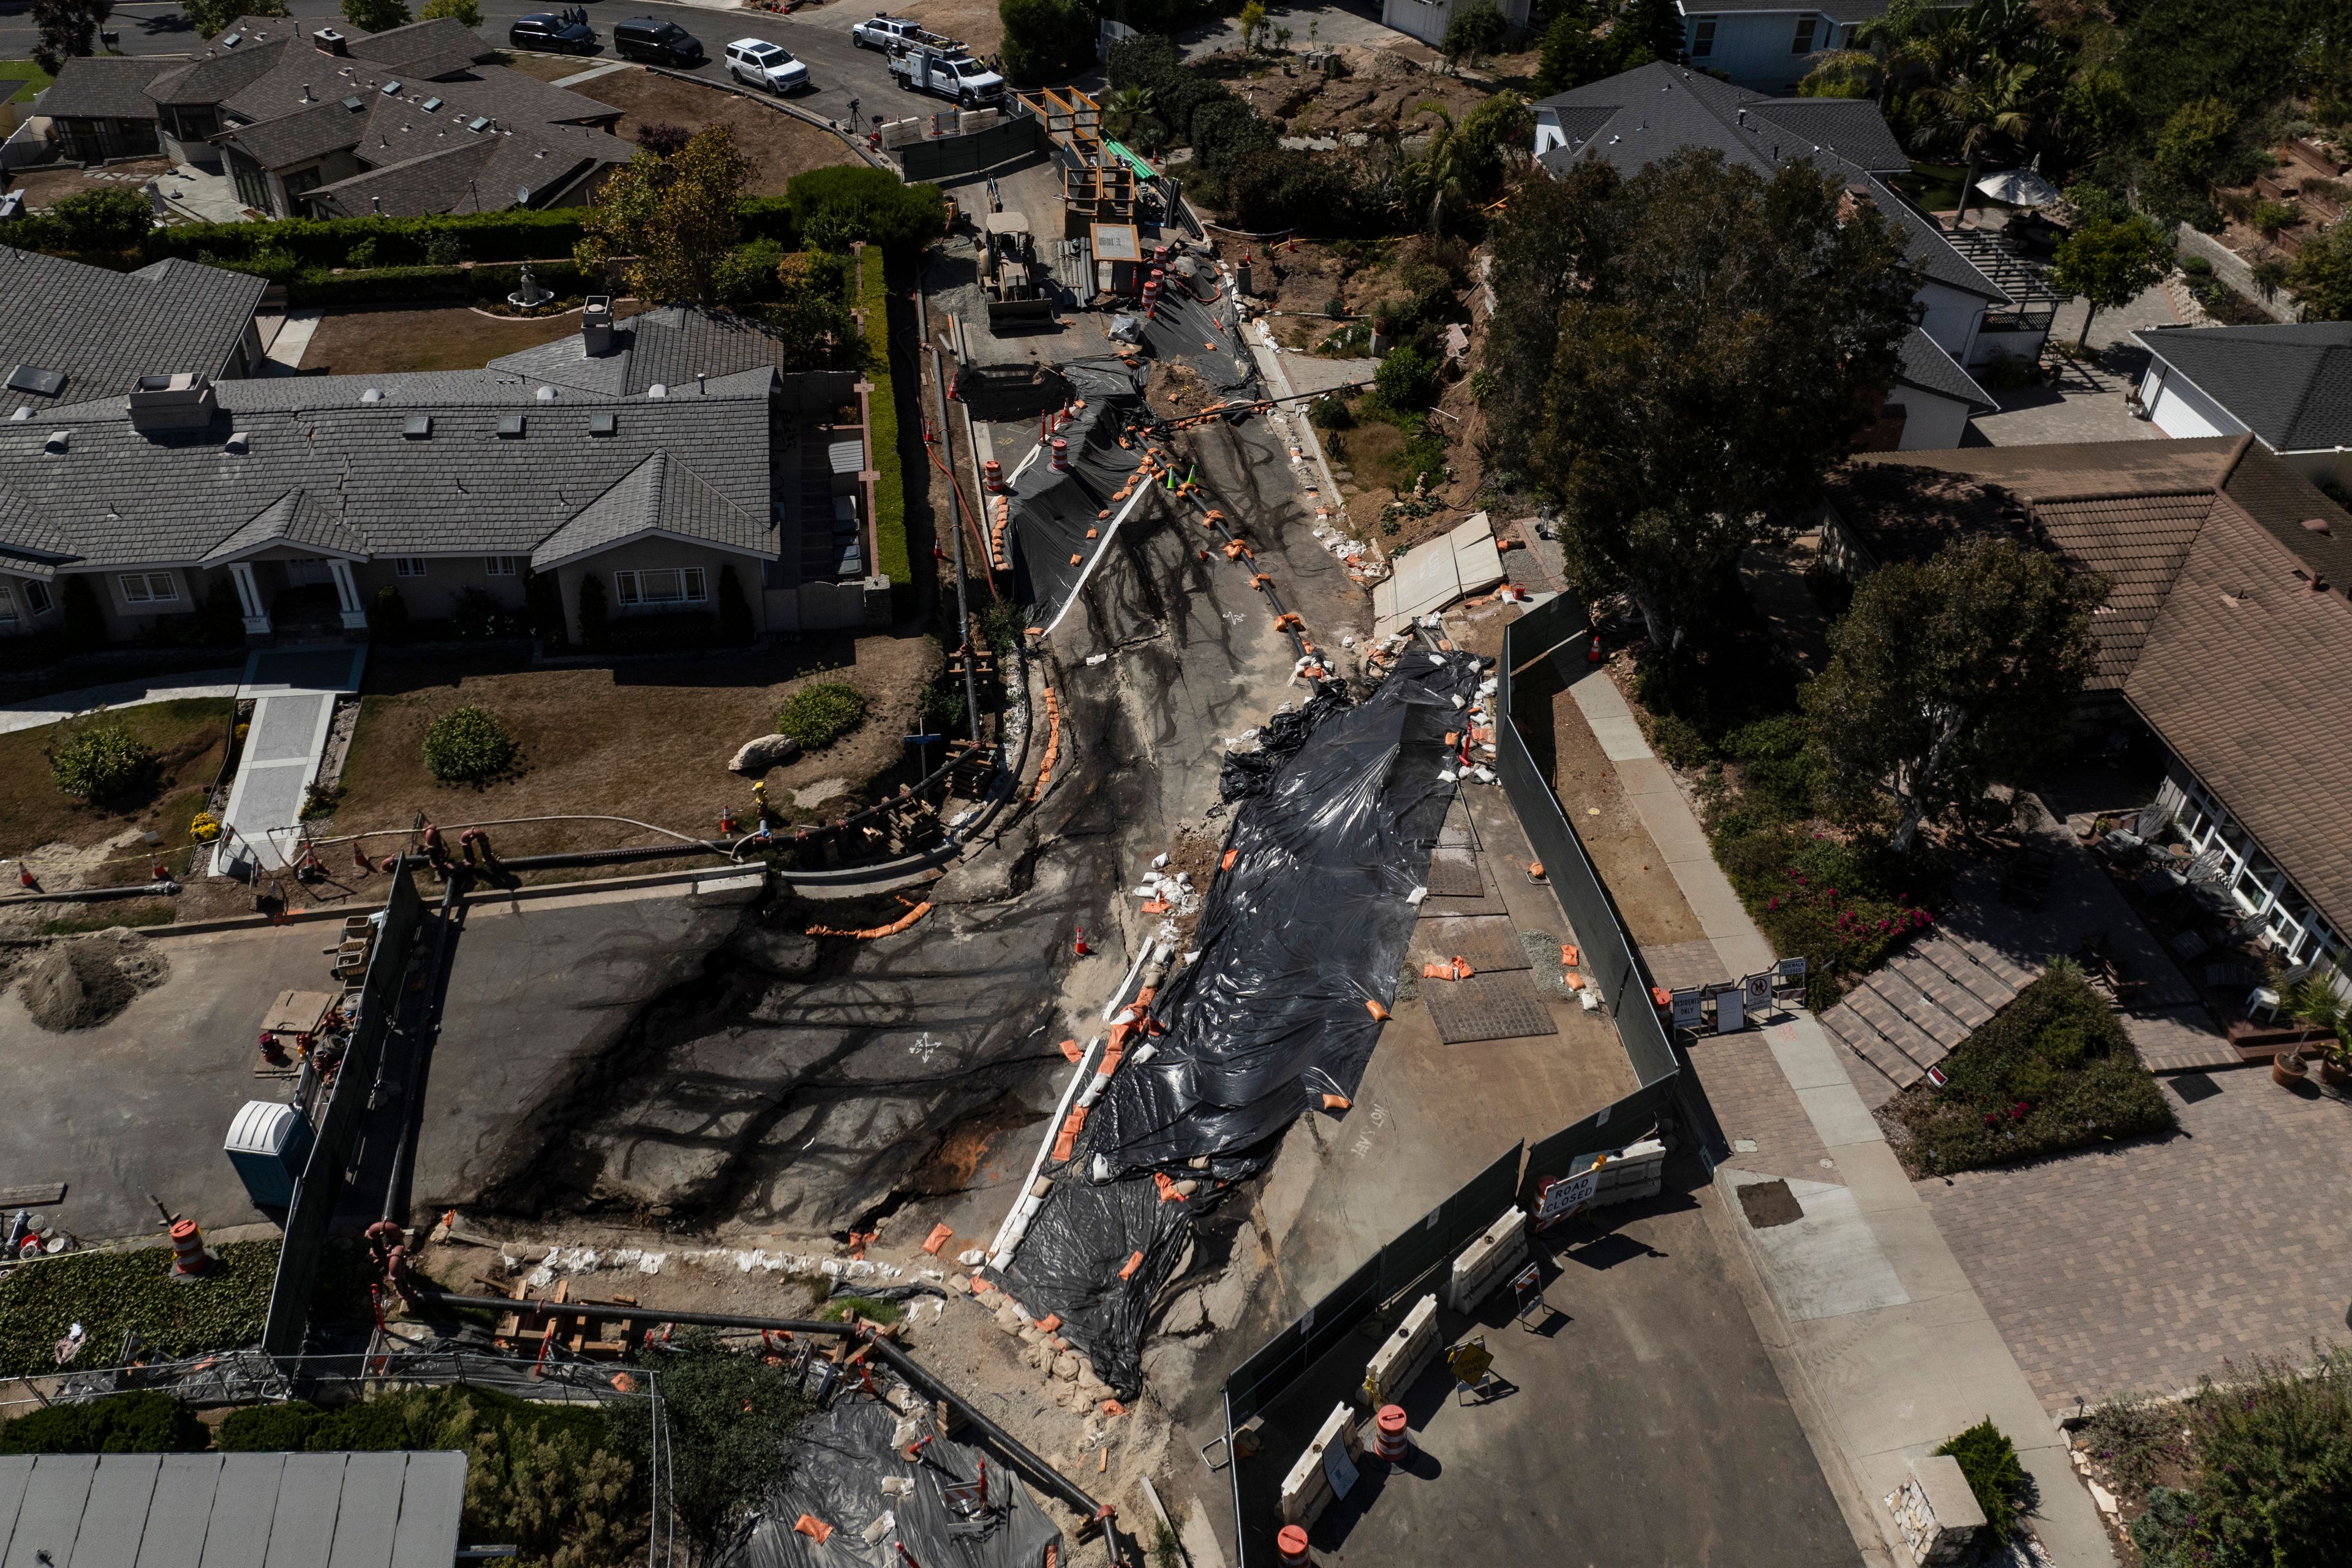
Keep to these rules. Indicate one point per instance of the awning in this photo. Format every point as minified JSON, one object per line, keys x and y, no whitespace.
{"x":2019,"y":188}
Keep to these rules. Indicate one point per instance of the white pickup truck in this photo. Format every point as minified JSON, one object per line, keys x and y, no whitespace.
{"x":890,"y":34}
{"x":947,"y":74}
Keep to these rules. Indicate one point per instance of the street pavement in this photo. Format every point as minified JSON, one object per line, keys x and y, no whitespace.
{"x":838,"y":69}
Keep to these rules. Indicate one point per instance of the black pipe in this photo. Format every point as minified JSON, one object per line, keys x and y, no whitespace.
{"x":1037,"y":1469}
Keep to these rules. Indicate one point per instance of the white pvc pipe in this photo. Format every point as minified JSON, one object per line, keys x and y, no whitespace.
{"x":997,"y":1249}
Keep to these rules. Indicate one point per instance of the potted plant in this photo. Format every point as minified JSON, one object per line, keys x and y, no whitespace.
{"x":2336,"y":1058}
{"x":2288,"y":1068}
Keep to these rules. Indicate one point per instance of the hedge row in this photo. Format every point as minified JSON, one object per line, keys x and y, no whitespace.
{"x":890,"y":552}
{"x":389,"y":285}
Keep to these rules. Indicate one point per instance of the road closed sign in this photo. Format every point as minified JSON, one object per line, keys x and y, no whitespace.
{"x":1562,"y":1197}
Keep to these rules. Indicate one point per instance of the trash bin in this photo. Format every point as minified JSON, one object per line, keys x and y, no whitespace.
{"x":268,"y":1144}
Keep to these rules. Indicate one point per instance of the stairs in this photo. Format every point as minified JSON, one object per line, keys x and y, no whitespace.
{"x":1907,"y":1015}
{"x":2035,"y":303}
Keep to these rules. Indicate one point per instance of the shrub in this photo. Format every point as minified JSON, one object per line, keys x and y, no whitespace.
{"x":669,"y":631}
{"x":101,"y":763}
{"x":112,"y":217}
{"x":270,"y":1428}
{"x":835,"y":205}
{"x":1002,"y":625}
{"x":478,"y":616}
{"x":444,"y":248}
{"x":2051,"y":1071}
{"x":1330,"y":412}
{"x":1989,"y":1461}
{"x":144,"y":1422}
{"x":663,"y":139}
{"x":388,"y":614}
{"x":2196,"y":265}
{"x":468,"y":745}
{"x":818,"y":715}
{"x":1046,"y":39}
{"x":748,"y":272}
{"x":595,"y":612}
{"x":2273,"y":1481}
{"x":1405,"y":379}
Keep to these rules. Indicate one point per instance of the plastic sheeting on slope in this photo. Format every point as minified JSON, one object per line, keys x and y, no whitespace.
{"x":840,"y":1459}
{"x":1203,"y":337}
{"x":1309,"y":924}
{"x":1052,"y":509}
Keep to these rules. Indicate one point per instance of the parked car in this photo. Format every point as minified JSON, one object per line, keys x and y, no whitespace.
{"x":656,"y":42}
{"x":758,"y":63}
{"x":885,"y":32}
{"x":556,"y":32}
{"x":921,"y":68}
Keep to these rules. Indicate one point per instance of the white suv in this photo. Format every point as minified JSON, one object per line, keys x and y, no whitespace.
{"x":758,"y":63}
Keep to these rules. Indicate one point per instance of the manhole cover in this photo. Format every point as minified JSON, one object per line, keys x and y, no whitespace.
{"x":2192,"y":1086}
{"x":1499,"y":1006}
{"x":1767,"y":1204}
{"x":1455,"y":874}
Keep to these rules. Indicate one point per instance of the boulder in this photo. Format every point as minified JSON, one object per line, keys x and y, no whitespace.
{"x":768,"y":751}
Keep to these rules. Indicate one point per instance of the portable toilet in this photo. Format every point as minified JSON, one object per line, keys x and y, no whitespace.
{"x":268,"y":1144}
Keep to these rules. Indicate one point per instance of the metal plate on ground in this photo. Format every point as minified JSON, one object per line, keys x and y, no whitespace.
{"x":1502,"y":1005}
{"x":1488,"y":941}
{"x":1455,"y":874}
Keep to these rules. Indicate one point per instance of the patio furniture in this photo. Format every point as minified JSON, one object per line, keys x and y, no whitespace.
{"x":2263,"y":1000}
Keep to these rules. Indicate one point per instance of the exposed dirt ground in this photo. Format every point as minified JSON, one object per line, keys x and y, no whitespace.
{"x":974,"y":21}
{"x":1384,"y":90}
{"x":448,"y":337}
{"x":774,"y":145}
{"x":551,"y":68}
{"x":647,"y":740}
{"x":45,"y":186}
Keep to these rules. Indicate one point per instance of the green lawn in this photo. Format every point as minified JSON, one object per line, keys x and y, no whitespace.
{"x":187,"y":736}
{"x":32,"y":76}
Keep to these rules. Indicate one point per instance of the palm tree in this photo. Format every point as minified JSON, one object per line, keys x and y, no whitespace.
{"x":1127,"y":113}
{"x":1982,"y":112}
{"x":1446,"y":176}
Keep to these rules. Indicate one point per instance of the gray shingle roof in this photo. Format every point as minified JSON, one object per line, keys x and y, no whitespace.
{"x":658,"y":496}
{"x":2291,"y":385}
{"x":117,"y":496}
{"x":223,"y":69}
{"x":473,"y":172}
{"x":1926,"y":367}
{"x":666,"y":347}
{"x":307,"y":133}
{"x":105,"y":86}
{"x":419,"y":41}
{"x":1658,"y":110}
{"x":105,"y":329}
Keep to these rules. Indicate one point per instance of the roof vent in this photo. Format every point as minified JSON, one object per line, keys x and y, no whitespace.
{"x":429,"y":105}
{"x":239,"y":442}
{"x":2312,"y":525}
{"x":657,"y":390}
{"x":182,"y":402}
{"x":419,"y":428}
{"x":330,"y":42}
{"x":545,"y":394}
{"x":32,"y":378}
{"x":58,"y":441}
{"x":604,"y":423}
{"x":509,"y":426}
{"x":373,"y":394}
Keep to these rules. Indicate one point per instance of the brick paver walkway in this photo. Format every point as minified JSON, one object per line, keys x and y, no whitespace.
{"x":2146,"y":1268}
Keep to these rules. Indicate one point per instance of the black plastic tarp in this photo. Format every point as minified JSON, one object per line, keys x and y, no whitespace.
{"x":1205,"y":337}
{"x":840,"y":1459}
{"x":1051,"y":510}
{"x":1308,"y":925}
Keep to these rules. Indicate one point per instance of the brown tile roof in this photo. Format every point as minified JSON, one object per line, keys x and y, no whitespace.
{"x":2247,"y":675}
{"x":2211,"y":628}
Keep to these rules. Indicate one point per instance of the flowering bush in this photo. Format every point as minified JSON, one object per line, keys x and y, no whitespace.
{"x":1846,"y":907}
{"x":2049,"y":1072}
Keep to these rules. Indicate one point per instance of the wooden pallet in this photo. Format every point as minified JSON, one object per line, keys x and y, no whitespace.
{"x":596,"y":1333}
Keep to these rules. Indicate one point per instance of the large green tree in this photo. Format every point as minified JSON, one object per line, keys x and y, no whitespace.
{"x":1475,"y":31}
{"x":465,"y":12}
{"x":674,"y":218}
{"x":1678,"y":354}
{"x":1949,"y":676}
{"x":2109,"y":261}
{"x":1988,"y":113}
{"x":1046,"y":39}
{"x":67,"y":30}
{"x":377,"y":15}
{"x":2320,"y":275}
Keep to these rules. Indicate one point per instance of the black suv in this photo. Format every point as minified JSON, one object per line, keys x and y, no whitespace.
{"x":557,"y":33}
{"x":659,"y":43}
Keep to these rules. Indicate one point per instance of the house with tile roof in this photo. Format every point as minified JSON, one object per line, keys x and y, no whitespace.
{"x":2288,"y":386}
{"x":305,"y":498}
{"x":2226,"y":634}
{"x":326,"y":123}
{"x":1964,"y":319}
{"x":72,"y":331}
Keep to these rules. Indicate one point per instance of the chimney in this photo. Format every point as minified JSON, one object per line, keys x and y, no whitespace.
{"x":1855,"y":198}
{"x":596,"y":325}
{"x":330,"y":42}
{"x":182,"y":402}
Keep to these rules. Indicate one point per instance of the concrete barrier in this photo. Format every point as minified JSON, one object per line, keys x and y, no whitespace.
{"x":1634,"y":1172}
{"x":729,"y":888}
{"x":1403,"y":1356}
{"x":1487,"y":1261}
{"x":1306,"y":1490}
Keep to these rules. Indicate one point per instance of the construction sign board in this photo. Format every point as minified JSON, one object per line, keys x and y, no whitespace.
{"x":1690,"y":1009}
{"x":1339,"y":1469}
{"x":1756,"y":990}
{"x":1564,"y":1196}
{"x":1730,"y":1017}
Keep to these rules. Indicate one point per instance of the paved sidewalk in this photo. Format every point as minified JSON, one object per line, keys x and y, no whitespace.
{"x":1873,"y":1311}
{"x":36,"y":711}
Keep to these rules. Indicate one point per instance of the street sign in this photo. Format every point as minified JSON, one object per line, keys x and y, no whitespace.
{"x":1690,"y":1009}
{"x":1756,"y":991}
{"x":1528,"y":1286}
{"x":1563,"y":1197}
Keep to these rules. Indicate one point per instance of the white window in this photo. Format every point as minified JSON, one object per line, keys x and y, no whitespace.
{"x":36,"y":594}
{"x":1804,"y":44}
{"x":668,"y":585}
{"x":149,"y":588}
{"x":408,"y":566}
{"x":502,"y":565}
{"x":1703,"y":38}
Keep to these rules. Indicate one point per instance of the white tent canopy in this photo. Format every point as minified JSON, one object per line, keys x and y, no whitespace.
{"x":2019,"y":188}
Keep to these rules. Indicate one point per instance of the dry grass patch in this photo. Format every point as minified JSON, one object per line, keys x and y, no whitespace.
{"x":774,"y":145}
{"x":393,"y":339}
{"x":188,"y":737}
{"x":645,"y":742}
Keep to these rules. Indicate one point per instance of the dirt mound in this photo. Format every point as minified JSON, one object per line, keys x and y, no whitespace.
{"x":81,"y":982}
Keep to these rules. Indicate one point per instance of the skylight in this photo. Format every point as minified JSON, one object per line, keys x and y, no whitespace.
{"x":32,"y":378}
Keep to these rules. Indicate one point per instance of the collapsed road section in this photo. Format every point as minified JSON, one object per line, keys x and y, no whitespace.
{"x":1274,"y":1014}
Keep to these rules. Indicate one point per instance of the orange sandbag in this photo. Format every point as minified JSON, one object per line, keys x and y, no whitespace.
{"x":814,"y":1528}
{"x":1133,"y":1263}
{"x":1227,"y":863}
{"x":941,"y":1236}
{"x":1072,"y":1051}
